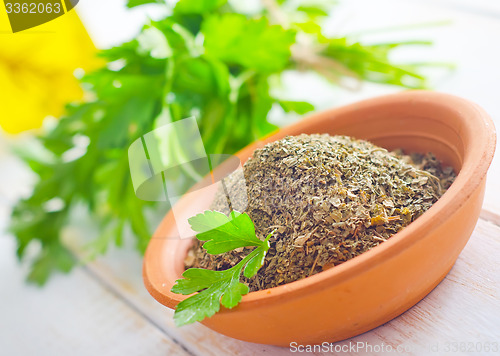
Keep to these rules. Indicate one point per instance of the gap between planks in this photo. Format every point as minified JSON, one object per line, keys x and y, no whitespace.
{"x":490,"y":216}
{"x":105,"y":284}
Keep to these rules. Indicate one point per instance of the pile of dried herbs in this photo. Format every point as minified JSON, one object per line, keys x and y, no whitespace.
{"x":330,"y":198}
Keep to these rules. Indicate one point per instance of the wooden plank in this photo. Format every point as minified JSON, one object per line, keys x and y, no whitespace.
{"x":71,"y":315}
{"x":491,"y":216}
{"x":465,"y":307}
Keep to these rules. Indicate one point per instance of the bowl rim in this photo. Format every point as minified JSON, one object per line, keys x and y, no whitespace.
{"x":474,"y":167}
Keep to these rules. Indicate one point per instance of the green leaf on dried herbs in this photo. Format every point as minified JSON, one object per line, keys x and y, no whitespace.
{"x":223,"y":234}
{"x":219,"y":287}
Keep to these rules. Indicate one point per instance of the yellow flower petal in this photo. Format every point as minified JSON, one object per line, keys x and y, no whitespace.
{"x":37,"y":70}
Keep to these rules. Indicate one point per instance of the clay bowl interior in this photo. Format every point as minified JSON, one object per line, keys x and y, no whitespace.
{"x":382,"y":283}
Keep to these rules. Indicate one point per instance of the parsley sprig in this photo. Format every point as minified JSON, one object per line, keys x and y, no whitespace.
{"x":222,"y":234}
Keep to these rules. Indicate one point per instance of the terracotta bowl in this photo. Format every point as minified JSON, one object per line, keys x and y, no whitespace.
{"x":382,"y":283}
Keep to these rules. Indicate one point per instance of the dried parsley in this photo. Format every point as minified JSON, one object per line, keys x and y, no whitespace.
{"x":330,"y":198}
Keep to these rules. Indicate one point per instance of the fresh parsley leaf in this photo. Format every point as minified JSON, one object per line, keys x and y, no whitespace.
{"x":196,"y":279}
{"x":312,"y":11}
{"x":299,"y":107}
{"x":223,"y":234}
{"x":54,"y":257}
{"x":219,"y":287}
{"x":256,"y":262}
{"x":199,"y":306}
{"x":372,"y":62}
{"x":198,"y":6}
{"x":134,"y":3}
{"x":251,"y":43}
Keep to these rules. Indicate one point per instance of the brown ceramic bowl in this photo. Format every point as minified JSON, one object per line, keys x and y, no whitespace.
{"x":382,"y":283}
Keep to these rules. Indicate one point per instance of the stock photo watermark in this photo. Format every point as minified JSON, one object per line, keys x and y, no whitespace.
{"x":170,"y":163}
{"x":361,"y":347}
{"x":26,"y":14}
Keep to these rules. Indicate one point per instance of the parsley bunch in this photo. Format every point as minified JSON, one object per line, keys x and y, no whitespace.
{"x":205,"y":59}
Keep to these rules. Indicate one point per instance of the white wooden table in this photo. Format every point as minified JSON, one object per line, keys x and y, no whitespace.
{"x":103,"y":309}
